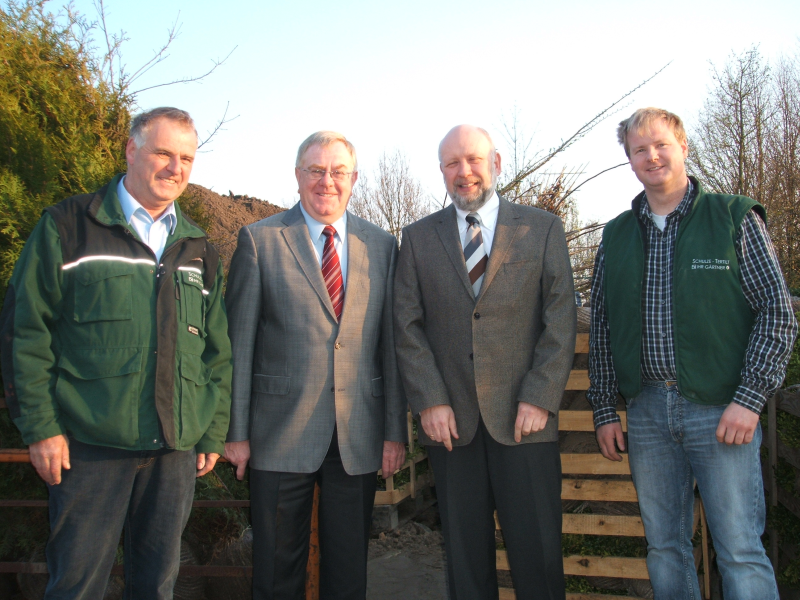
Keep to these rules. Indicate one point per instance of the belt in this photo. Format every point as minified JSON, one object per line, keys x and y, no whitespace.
{"x":668,"y":383}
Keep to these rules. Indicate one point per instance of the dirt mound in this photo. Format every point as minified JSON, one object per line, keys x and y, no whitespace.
{"x":226,"y":215}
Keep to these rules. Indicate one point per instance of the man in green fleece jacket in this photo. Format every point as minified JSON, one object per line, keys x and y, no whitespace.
{"x":116,"y":366}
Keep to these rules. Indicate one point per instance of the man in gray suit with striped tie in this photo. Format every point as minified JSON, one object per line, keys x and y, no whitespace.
{"x":316,"y":393}
{"x":485,"y":334}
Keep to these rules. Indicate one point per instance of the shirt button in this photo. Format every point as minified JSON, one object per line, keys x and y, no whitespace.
{"x":663,"y":335}
{"x":663,"y":302}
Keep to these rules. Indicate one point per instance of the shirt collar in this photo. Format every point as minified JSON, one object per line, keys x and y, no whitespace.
{"x":315,"y":227}
{"x":681,"y":210}
{"x":487,"y":212}
{"x":130,"y":207}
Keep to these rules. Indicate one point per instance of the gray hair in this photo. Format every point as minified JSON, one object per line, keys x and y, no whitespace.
{"x":324,"y":139}
{"x":642,"y":119}
{"x":141,"y":123}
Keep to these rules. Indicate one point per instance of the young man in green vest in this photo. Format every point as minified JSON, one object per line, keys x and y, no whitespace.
{"x":693,"y":326}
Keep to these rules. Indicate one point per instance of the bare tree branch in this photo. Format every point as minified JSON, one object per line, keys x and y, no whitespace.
{"x":219,"y":126}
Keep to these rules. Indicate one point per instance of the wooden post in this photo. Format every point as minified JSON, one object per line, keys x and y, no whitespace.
{"x":772,"y":447}
{"x":312,"y":568}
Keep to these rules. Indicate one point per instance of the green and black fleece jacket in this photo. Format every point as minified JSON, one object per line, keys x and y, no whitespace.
{"x":102,"y":342}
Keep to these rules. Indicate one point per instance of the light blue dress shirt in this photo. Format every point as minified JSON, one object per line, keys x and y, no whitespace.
{"x":339,"y":240}
{"x":154,"y":233}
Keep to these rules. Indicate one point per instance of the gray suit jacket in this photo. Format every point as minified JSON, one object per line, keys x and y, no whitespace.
{"x":515,"y":343}
{"x":296,"y":371}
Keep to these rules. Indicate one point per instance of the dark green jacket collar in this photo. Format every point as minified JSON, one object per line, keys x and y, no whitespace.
{"x":105,"y":208}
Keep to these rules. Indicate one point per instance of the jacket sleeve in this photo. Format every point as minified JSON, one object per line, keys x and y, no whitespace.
{"x":243,"y":299}
{"x":421,"y":378}
{"x":544,"y":384}
{"x":396,"y":429}
{"x":217,"y":357}
{"x":31,"y":309}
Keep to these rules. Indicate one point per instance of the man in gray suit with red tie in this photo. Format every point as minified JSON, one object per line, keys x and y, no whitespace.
{"x":485,"y":334}
{"x":316,"y":393}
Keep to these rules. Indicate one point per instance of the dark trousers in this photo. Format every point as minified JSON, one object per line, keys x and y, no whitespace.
{"x":524,"y":484}
{"x":149,"y":493}
{"x":280,"y":509}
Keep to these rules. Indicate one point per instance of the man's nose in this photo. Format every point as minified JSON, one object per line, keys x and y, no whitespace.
{"x":174,"y":164}
{"x":464,"y":169}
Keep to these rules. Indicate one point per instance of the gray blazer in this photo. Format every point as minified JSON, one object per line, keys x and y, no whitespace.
{"x":296,"y":371}
{"x":515,"y":343}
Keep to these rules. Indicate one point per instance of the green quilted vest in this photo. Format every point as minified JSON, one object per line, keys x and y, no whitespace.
{"x":712,"y":320}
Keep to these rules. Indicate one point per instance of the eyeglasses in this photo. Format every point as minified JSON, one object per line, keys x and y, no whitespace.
{"x":316,"y":174}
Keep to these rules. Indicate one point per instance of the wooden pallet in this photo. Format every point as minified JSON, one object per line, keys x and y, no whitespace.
{"x":574,"y":487}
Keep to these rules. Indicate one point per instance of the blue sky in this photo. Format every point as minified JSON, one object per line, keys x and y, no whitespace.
{"x":399,"y":75}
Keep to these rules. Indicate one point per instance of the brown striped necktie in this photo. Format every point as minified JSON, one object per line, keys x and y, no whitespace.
{"x":475,"y":253}
{"x":332,"y":271}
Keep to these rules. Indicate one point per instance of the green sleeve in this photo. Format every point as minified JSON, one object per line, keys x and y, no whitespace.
{"x":217,"y":357}
{"x":35,"y":295}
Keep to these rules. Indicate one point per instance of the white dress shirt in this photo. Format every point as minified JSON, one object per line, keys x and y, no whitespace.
{"x":154,"y":233}
{"x":488,"y":218}
{"x":339,"y":239}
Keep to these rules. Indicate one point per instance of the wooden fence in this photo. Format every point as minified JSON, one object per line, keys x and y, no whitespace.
{"x":593,"y":478}
{"x":788,"y":402}
{"x":587,"y":477}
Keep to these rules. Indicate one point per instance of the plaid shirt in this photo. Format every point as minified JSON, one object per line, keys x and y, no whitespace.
{"x":764,"y":289}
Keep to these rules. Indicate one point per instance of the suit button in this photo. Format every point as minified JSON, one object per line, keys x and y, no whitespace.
{"x":332,"y":388}
{"x":337,"y":346}
{"x":470,"y":355}
{"x":477,"y":315}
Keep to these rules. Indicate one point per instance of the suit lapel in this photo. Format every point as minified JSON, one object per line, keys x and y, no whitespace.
{"x":507,"y":225}
{"x":299,"y":242}
{"x":447,"y":228}
{"x":356,"y":252}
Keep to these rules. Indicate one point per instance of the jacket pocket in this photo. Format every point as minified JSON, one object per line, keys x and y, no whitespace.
{"x":98,"y":392}
{"x":377,"y":386}
{"x":199,"y":399}
{"x":268,"y":384}
{"x":103,"y":291}
{"x":191,"y":299}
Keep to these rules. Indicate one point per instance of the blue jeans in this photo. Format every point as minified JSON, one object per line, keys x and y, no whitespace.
{"x":671,"y":443}
{"x":149,"y":493}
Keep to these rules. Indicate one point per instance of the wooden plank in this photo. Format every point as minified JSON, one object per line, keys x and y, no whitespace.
{"x":592,"y":489}
{"x":606,"y":566}
{"x":13,"y":455}
{"x":629,"y":526}
{"x":391,"y":497}
{"x":789,"y":501}
{"x":593,"y":566}
{"x":508,"y":594}
{"x":593,"y":464}
{"x":578,"y":380}
{"x":790,"y":455}
{"x":583,"y":420}
{"x":582,"y":343}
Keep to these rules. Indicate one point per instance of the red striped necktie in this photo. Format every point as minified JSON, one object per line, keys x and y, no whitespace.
{"x":332,"y":271}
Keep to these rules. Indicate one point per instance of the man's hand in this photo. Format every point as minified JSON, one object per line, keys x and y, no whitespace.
{"x":49,"y":456}
{"x":530,"y":419}
{"x":238,"y":453}
{"x":439,"y":424}
{"x":737,"y":425}
{"x":394,"y":455}
{"x":206,"y":462}
{"x":609,"y":438}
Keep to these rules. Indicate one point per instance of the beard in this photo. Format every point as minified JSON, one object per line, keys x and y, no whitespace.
{"x":471,"y":204}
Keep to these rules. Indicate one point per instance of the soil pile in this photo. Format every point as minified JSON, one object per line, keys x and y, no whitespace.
{"x":226,"y":215}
